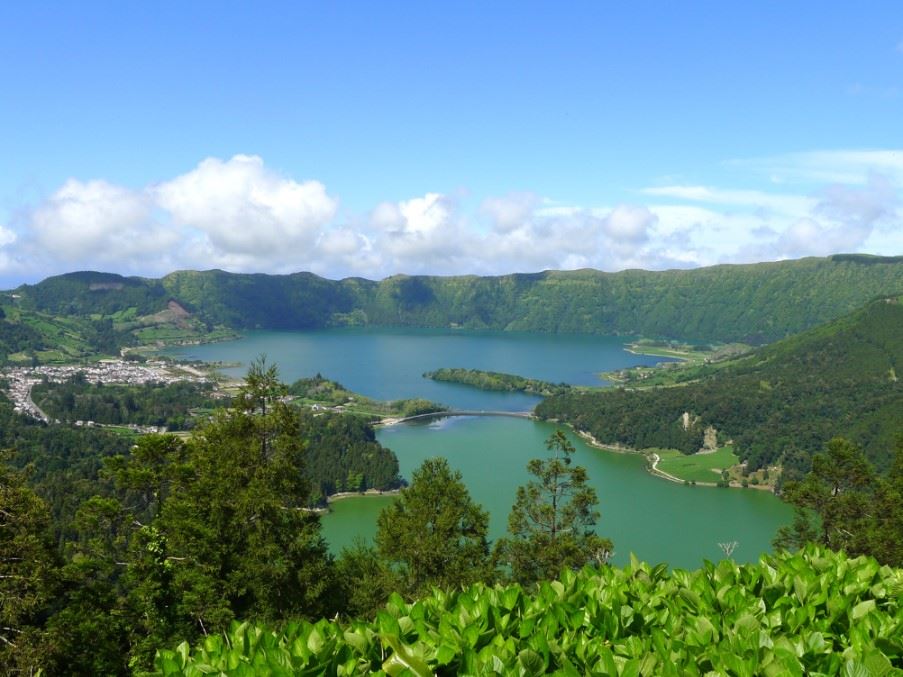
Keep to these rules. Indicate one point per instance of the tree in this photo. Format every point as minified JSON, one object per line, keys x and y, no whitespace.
{"x":886,"y":533}
{"x":551,"y":522}
{"x":832,"y":501}
{"x":262,"y":394}
{"x":434,"y":534}
{"x":28,"y":570}
{"x":218,"y":526}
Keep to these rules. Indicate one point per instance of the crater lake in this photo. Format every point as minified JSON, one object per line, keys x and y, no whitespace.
{"x":655,"y":519}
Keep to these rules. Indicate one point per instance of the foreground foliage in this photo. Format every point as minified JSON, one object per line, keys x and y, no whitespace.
{"x":815,"y":612}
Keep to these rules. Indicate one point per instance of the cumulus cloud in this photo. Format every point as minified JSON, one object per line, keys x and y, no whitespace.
{"x":509,"y":211}
{"x":96,"y":223}
{"x":246,"y":209}
{"x":418,"y":235}
{"x":568,"y":237}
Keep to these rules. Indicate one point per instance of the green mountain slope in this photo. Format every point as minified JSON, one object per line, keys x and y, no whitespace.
{"x":784,"y":400}
{"x":752,"y":303}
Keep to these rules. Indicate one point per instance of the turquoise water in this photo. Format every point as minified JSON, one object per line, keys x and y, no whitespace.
{"x":388,"y":364}
{"x":655,"y":519}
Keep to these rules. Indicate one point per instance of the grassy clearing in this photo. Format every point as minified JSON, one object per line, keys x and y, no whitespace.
{"x":697,"y":467}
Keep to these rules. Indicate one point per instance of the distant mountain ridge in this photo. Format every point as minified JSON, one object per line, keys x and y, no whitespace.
{"x":754,"y":303}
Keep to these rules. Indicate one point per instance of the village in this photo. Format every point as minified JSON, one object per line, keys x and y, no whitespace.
{"x":20,"y":380}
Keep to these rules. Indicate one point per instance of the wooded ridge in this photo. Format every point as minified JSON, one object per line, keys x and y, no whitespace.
{"x":753,"y":303}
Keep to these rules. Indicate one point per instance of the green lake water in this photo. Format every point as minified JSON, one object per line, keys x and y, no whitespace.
{"x":655,"y":519}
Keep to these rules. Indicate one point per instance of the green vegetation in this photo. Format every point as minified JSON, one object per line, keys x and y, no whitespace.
{"x":434,"y":534}
{"x":318,"y":392}
{"x":152,"y":404}
{"x":208,"y":529}
{"x":342,"y":454}
{"x":699,"y":467}
{"x":551,"y":522}
{"x":842,"y":504}
{"x":494,"y":380}
{"x":693,"y":360}
{"x":752,"y":303}
{"x":177,"y":539}
{"x":779,"y":404}
{"x":30,"y":337}
{"x":27,"y":564}
{"x":749,"y":303}
{"x":816,"y":612}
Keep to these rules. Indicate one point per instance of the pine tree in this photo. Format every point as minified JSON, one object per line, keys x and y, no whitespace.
{"x":831,"y":501}
{"x":551,"y":522}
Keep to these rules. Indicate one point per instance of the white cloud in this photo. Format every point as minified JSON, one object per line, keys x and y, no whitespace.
{"x":96,"y":223}
{"x":246,"y":209}
{"x":509,"y":211}
{"x":240,"y":215}
{"x":418,"y":235}
{"x":6,"y":236}
{"x":777,"y":202}
{"x":844,"y":219}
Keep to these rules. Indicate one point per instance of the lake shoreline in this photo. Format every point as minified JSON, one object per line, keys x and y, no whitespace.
{"x":652,"y":466}
{"x":332,"y":498}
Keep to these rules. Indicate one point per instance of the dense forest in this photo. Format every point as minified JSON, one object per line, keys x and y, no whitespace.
{"x":751,"y":303}
{"x":64,"y":462}
{"x":170,"y":538}
{"x":782,"y":402}
{"x":342,"y":454}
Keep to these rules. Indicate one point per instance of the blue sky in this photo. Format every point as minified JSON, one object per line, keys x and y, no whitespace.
{"x":376,"y":138}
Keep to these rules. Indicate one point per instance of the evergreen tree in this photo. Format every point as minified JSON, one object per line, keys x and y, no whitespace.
{"x":832,"y":502}
{"x":217,"y":527}
{"x":434,"y":534}
{"x":28,"y":571}
{"x":886,"y":534}
{"x":551,"y":522}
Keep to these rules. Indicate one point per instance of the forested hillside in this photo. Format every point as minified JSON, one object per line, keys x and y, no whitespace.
{"x":343,"y":455}
{"x":783,"y":401}
{"x":751,"y":303}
